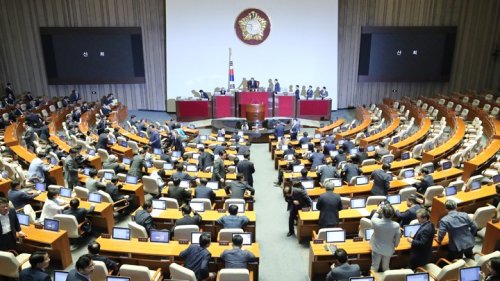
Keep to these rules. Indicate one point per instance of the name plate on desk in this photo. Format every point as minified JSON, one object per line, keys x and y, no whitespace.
{"x":183,"y":241}
{"x":38,"y":226}
{"x":306,"y":209}
{"x":318,"y":241}
{"x":105,"y":235}
{"x":142,"y":239}
{"x":224,"y":243}
{"x":357,"y":239}
{"x":221,"y":210}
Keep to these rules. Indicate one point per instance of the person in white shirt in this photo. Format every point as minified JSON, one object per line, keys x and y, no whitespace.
{"x":157,"y":175}
{"x":53,"y":206}
{"x":38,"y":168}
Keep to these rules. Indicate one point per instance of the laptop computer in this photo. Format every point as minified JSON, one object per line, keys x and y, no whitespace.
{"x":23,"y":219}
{"x":91,"y":152}
{"x":388,"y":159}
{"x":409,"y":174}
{"x":40,"y":186}
{"x":159,"y":236}
{"x":176,"y":154}
{"x":289,"y":157}
{"x":131,"y":179}
{"x":336,"y":182}
{"x":368,"y":278}
{"x":410,"y":230}
{"x":95,"y":197}
{"x":108,"y":176}
{"x":195,"y":237}
{"x":168,"y":166}
{"x":121,"y":233}
{"x":450,"y":190}
{"x":368,"y":234}
{"x":86,"y":171}
{"x":284,"y":147}
{"x":126,"y":161}
{"x":446,"y":165}
{"x":240,"y":157}
{"x":197,"y":206}
{"x":60,"y":275}
{"x":157,"y":151}
{"x":213,"y":185}
{"x":353,"y":151}
{"x":203,"y":137}
{"x":159,"y":204}
{"x":334,"y":153}
{"x":247,"y":238}
{"x":370,"y":148}
{"x":357,"y":203}
{"x":65,"y":192}
{"x":475,"y":185}
{"x":117,"y":278}
{"x":405,"y":155}
{"x":394,"y":199}
{"x":314,"y":206}
{"x":241,"y":207}
{"x":395,"y":139}
{"x":335,"y":236}
{"x":298,"y":168}
{"x":305,"y":146}
{"x":196,"y":155}
{"x":470,"y":273}
{"x":148,"y":163}
{"x":123,"y":143}
{"x":53,"y":161}
{"x":184,"y":184}
{"x":424,"y":276}
{"x":496,"y":178}
{"x":309,"y":184}
{"x":362,"y":180}
{"x":191,"y":168}
{"x":221,"y":139}
{"x":50,"y":224}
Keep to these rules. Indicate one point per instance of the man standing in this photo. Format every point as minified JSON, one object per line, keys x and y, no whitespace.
{"x":143,"y":217}
{"x":103,"y":141}
{"x":421,"y":241}
{"x":39,"y":262}
{"x":70,"y":168}
{"x":29,"y":137}
{"x":197,"y":257}
{"x":9,"y":226}
{"x":205,"y":160}
{"x":342,"y":270}
{"x":329,"y":205}
{"x":385,"y":238}
{"x":407,"y":216}
{"x":297,"y":199}
{"x":323,"y":93}
{"x":246,"y":168}
{"x":297,"y":92}
{"x":381,"y":180}
{"x":461,"y":231}
{"x":279,"y":130}
{"x":236,"y":257}
{"x":238,"y":187}
{"x":427,"y":180}
{"x":277,"y":87}
{"x":219,"y":171}
{"x":253,"y":85}
{"x":294,"y":131}
{"x":137,"y":165}
{"x":154,"y":139}
{"x":310,"y":92}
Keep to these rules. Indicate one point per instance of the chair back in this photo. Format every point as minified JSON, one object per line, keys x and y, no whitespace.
{"x":374,"y":200}
{"x":417,"y":151}
{"x":135,"y":272}
{"x":431,"y":192}
{"x":103,"y":154}
{"x":81,"y":192}
{"x":171,"y":203}
{"x":234,"y":274}
{"x":406,"y":192}
{"x":226,"y":234}
{"x":206,"y":202}
{"x":179,"y":272}
{"x":483,"y":215}
{"x":105,"y":197}
{"x":133,"y":145}
{"x":9,"y":266}
{"x":451,"y":271}
{"x":473,"y":179}
{"x":183,"y":232}
{"x":322,"y":232}
{"x":346,"y":202}
{"x":367,"y":162}
{"x":137,"y":230}
{"x":395,"y":275}
{"x":483,"y":260}
{"x":68,"y":223}
{"x":150,"y":185}
{"x":28,"y":210}
{"x":100,"y":271}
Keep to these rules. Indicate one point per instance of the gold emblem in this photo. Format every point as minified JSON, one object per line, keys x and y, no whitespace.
{"x":252,"y":26}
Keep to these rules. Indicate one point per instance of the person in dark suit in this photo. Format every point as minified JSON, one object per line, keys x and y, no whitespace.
{"x":197,"y":257}
{"x":427,"y":180}
{"x":294,"y":131}
{"x":84,"y":267}
{"x":351,"y":169}
{"x":297,"y":199}
{"x":70,"y":168}
{"x":317,"y":158}
{"x":252,"y":85}
{"x":327,"y":171}
{"x":381,"y":150}
{"x":202,"y":191}
{"x":18,"y":197}
{"x":494,"y":266}
{"x":279,"y":130}
{"x":180,"y":174}
{"x":297,"y":92}
{"x":8,"y":89}
{"x":74,"y":96}
{"x":329,"y":205}
{"x":176,"y":143}
{"x":39,"y":261}
{"x":219,"y":172}
{"x":323,"y":93}
{"x":103,"y":141}
{"x":233,"y":220}
{"x":309,"y":92}
{"x":342,"y":270}
{"x":154,"y":138}
{"x":180,"y":194}
{"x":237,"y":257}
{"x":421,"y":241}
{"x":247,"y":168}
{"x":79,"y":213}
{"x":203,"y":95}
{"x":381,"y":180}
{"x":137,"y":165}
{"x":94,"y":248}
{"x":340,"y":156}
{"x":461,"y":231}
{"x":238,"y":187}
{"x":329,"y":146}
{"x":187,"y":218}
{"x":8,"y":218}
{"x":205,"y":160}
{"x":143,"y":217}
{"x":304,"y":139}
{"x":407,"y":216}
{"x":29,"y":136}
{"x":362,"y":154}
{"x":277,"y":87}
{"x":348,"y":145}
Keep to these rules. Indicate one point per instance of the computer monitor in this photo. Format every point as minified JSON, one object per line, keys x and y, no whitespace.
{"x":361,"y":180}
{"x":65,"y":192}
{"x":446,"y":165}
{"x":95,"y":197}
{"x":409,"y":174}
{"x":394,"y":199}
{"x":240,"y":133}
{"x":23,"y":219}
{"x":121,"y":233}
{"x":314,"y":206}
{"x":241,"y":207}
{"x":405,"y":155}
{"x":157,"y":151}
{"x":496,"y":178}
{"x":353,"y":151}
{"x":195,"y":237}
{"x":368,"y":234}
{"x":418,"y":277}
{"x":395,"y":139}
{"x":388,"y":159}
{"x":213,"y":185}
{"x":340,"y":142}
{"x":335,"y":236}
{"x":200,"y":145}
{"x":197,"y":206}
{"x":309,"y":184}
{"x":91,"y":152}
{"x":184,"y":184}
{"x":298,"y":168}
{"x":475,"y":185}
{"x":317,"y":136}
{"x":131,"y":179}
{"x":159,"y":204}
{"x":358,"y":203}
{"x":370,"y":148}
{"x":117,"y":278}
{"x":240,"y":157}
{"x":50,"y":224}
{"x":176,"y":154}
{"x":148,"y":163}
{"x":191,"y":168}
{"x":203,"y":137}
{"x":470,"y":273}
{"x":247,"y":238}
{"x":40,"y":186}
{"x":126,"y":161}
{"x":361,"y":279}
{"x":53,"y":161}
{"x":168,"y":166}
{"x":123,"y":143}
{"x":221,"y":139}
{"x":305,"y":146}
{"x":337,"y":182}
{"x":60,"y":275}
{"x":284,"y":147}
{"x":159,"y":236}
{"x":108,"y":176}
{"x":334,"y":153}
{"x":410,"y":230}
{"x":86,"y":171}
{"x":196,"y":155}
{"x":289,"y":157}
{"x":450,"y":190}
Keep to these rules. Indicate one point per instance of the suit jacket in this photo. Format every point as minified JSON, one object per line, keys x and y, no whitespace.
{"x":238,"y":189}
{"x":136,"y":166}
{"x":70,"y":168}
{"x":75,"y":276}
{"x":297,"y":94}
{"x":19,"y":198}
{"x":340,"y":157}
{"x":145,"y":219}
{"x":421,"y":246}
{"x":14,"y":223}
{"x":347,"y":146}
{"x":381,"y":183}
{"x":343,"y":272}
{"x":155,"y":139}
{"x":460,"y":228}
{"x":351,"y":170}
{"x":246,"y":168}
{"x":362,"y":156}
{"x":427,"y":181}
{"x":316,"y":158}
{"x":102,"y":142}
{"x":300,"y":195}
{"x":177,"y":145}
{"x":179,"y":193}
{"x":79,"y":213}
{"x":277,"y":87}
{"x":407,"y":216}
{"x":279,"y":131}
{"x":310,"y":93}
{"x":73,"y":97}
{"x":204,"y":192}
{"x":328,"y":171}
{"x":189,"y":220}
{"x":114,"y":192}
{"x":219,"y":170}
{"x":205,"y":160}
{"x":329,"y":147}
{"x":329,"y":205}
{"x":252,"y":85}
{"x":34,"y":274}
{"x":386,"y":236}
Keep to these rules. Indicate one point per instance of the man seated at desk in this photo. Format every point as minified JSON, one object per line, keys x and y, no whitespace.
{"x":233,"y":220}
{"x":38,"y":169}
{"x":304,"y":139}
{"x":341,"y":269}
{"x":202,"y":191}
{"x":381,"y":150}
{"x":197,"y":257}
{"x":143,"y":217}
{"x":237,"y":188}
{"x":407,"y":216}
{"x":80,"y":213}
{"x":179,"y":174}
{"x":52,"y":206}
{"x":237,"y":257}
{"x":187,"y":218}
{"x":181,"y":194}
{"x":93,"y":184}
{"x":94,"y":248}
{"x":112,"y":164}
{"x":18,"y":197}
{"x":427,"y":180}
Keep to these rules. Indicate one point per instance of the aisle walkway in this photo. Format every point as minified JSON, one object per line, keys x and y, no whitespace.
{"x":281,"y":257}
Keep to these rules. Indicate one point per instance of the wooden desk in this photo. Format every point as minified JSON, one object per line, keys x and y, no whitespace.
{"x":388,"y":113}
{"x":102,"y":216}
{"x":326,"y":129}
{"x":448,"y":146}
{"x":406,"y":144}
{"x":220,"y":197}
{"x":56,"y":172}
{"x":491,"y":238}
{"x":122,"y":151}
{"x":486,"y":156}
{"x":5,"y":186}
{"x":395,"y":165}
{"x":361,"y":114}
{"x":94,"y":160}
{"x":140,"y":140}
{"x":57,"y":242}
{"x":468,"y":202}
{"x":162,"y":254}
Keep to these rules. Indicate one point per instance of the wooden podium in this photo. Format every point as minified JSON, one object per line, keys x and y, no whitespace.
{"x":255,"y":113}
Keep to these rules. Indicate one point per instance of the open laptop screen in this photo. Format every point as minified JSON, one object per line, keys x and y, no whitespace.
{"x":446,"y":165}
{"x":361,"y":279}
{"x":475,"y":185}
{"x":394,"y":199}
{"x":309,"y":184}
{"x":470,"y":273}
{"x":450,"y":190}
{"x":353,"y":151}
{"x":40,"y":186}
{"x":358,"y":203}
{"x":298,"y":168}
{"x":126,"y":161}
{"x":176,"y":154}
{"x":95,"y":197}
{"x":60,"y":275}
{"x":159,"y":204}
{"x":314,"y":206}
{"x":496,"y":178}
{"x":157,"y":151}
{"x":247,"y":237}
{"x":335,"y":236}
{"x":131,"y":179}
{"x":160,"y":236}
{"x":370,"y":148}
{"x":410,"y":230}
{"x":195,"y":237}
{"x":191,"y":168}
{"x":117,"y":278}
{"x":388,"y":159}
{"x":108,"y":176}
{"x":23,"y":219}
{"x":50,"y":224}
{"x":121,"y":233}
{"x":213,"y":185}
{"x":405,"y":155}
{"x":184,"y":184}
{"x":368,"y":234}
{"x":168,"y":166}
{"x":361,"y":180}
{"x":65,"y":192}
{"x":409,"y":174}
{"x":418,"y":277}
{"x":197,"y":206}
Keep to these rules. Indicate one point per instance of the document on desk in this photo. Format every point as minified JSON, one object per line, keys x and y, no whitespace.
{"x":364,"y":212}
{"x":410,"y":181}
{"x":156,"y":212}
